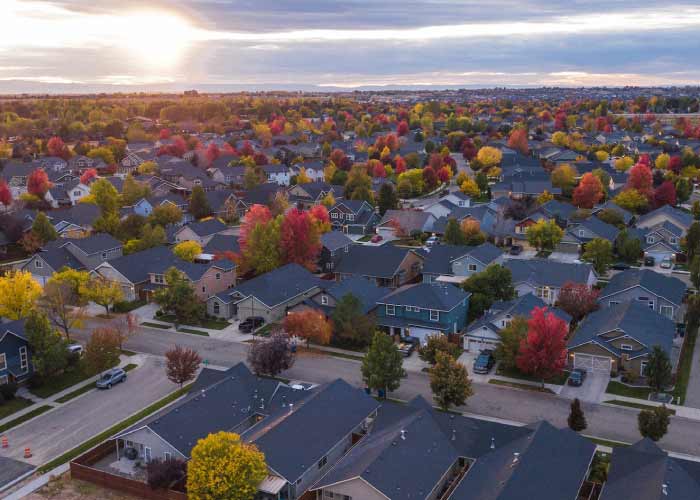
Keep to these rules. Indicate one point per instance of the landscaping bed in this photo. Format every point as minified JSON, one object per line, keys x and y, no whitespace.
{"x":515,"y":373}
{"x":194,"y":332}
{"x":213,"y":324}
{"x":156,"y":325}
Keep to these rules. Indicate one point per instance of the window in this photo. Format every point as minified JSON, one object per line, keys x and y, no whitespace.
{"x":543,"y":292}
{"x":434,"y":315}
{"x":158,"y":278}
{"x":104,"y":255}
{"x":334,"y":215}
{"x":147,"y":454}
{"x":324,"y":300}
{"x":581,"y":233}
{"x":643,"y":368}
{"x":650,"y":239}
{"x":613,"y":303}
{"x":351,"y":217}
{"x":666,"y":311}
{"x":3,"y":361}
{"x":471,"y":267}
{"x":347,"y":248}
{"x":23,"y":359}
{"x":38,"y":264}
{"x":167,"y":455}
{"x":625,"y":347}
{"x":204,"y":289}
{"x":642,"y":299}
{"x":76,"y":193}
{"x":390,"y":310}
{"x":216,"y":308}
{"x":322,"y":462}
{"x":218,"y":276}
{"x":673,"y":240}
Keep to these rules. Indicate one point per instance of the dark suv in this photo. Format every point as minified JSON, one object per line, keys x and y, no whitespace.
{"x":251,"y":324}
{"x":576,"y":377}
{"x":484,"y":362}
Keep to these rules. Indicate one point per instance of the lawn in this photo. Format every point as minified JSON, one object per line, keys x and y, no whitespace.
{"x":527,"y":387}
{"x":213,"y":324}
{"x":620,"y":389}
{"x":27,"y":416}
{"x":684,"y":366}
{"x":638,"y":406}
{"x":156,"y":325}
{"x":60,"y":382}
{"x":194,"y":332}
{"x":515,"y":373}
{"x":13,"y":405}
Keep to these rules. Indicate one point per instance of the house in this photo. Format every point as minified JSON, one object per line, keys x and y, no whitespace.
{"x":661,"y":293}
{"x":312,"y":193}
{"x":620,"y":338}
{"x":278,"y":174}
{"x":484,"y":333}
{"x":70,"y":193}
{"x":333,"y":245}
{"x":626,"y":216}
{"x":76,"y":221}
{"x":201,"y":232}
{"x":325,"y":301}
{"x":456,"y":263}
{"x":353,"y":217}
{"x":661,"y":241}
{"x":402,"y":223}
{"x":422,"y":310}
{"x":668,"y":213}
{"x":386,"y":265}
{"x":545,"y":278}
{"x":15,"y":355}
{"x":221,"y":243}
{"x":577,"y":235}
{"x":269,"y":295}
{"x":206,"y":278}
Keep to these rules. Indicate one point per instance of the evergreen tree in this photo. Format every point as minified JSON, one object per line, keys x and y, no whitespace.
{"x":577,"y":420}
{"x":387,"y":198}
{"x":43,"y":229}
{"x":653,"y":424}
{"x":199,"y":205}
{"x":382,"y":366}
{"x":449,"y":382}
{"x":49,"y":349}
{"x":453,"y":233}
{"x":658,"y":369}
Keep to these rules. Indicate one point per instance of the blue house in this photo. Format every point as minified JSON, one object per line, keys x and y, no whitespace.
{"x":423,"y":309}
{"x":15,"y":363}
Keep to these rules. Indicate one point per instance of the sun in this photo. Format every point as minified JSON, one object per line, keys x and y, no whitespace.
{"x":158,"y":39}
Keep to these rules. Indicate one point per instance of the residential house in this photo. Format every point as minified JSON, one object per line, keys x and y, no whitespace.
{"x":353,"y":217}
{"x":620,"y":338}
{"x":456,"y":263}
{"x":386,"y":265}
{"x":402,"y":223}
{"x":657,"y":217}
{"x":545,"y":278}
{"x":15,"y":353}
{"x":76,"y":221}
{"x":269,"y":295}
{"x":661,"y":293}
{"x":577,"y":235}
{"x":201,"y":232}
{"x":626,"y":216}
{"x":326,"y":300}
{"x":206,"y":278}
{"x":278,"y":174}
{"x":333,"y":245}
{"x":312,"y":193}
{"x":221,"y":243}
{"x":423,"y":309}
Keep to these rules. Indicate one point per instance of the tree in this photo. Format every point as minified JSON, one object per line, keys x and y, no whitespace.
{"x":102,"y":350}
{"x":588,"y":192}
{"x":133,"y":191}
{"x":106,"y":196}
{"x":43,"y":229}
{"x":387,"y":198}
{"x":683,"y":190}
{"x":453,"y":233}
{"x":103,"y":153}
{"x":518,"y":141}
{"x":300,"y":239}
{"x":56,"y":147}
{"x":271,"y":356}
{"x":544,"y":235}
{"x":576,"y":420}
{"x":694,"y":269}
{"x":658,"y":369}
{"x":545,"y":197}
{"x":665,"y":194}
{"x":449,"y":382}
{"x":612,"y":217}
{"x":470,"y":188}
{"x":103,"y":292}
{"x":178,"y":298}
{"x":511,"y":337}
{"x":223,"y":467}
{"x":692,"y":240}
{"x":640,"y":178}
{"x":5,"y":194}
{"x":164,"y":473}
{"x":628,"y":247}
{"x":187,"y":250}
{"x":564,"y":177}
{"x":88,"y":175}
{"x":199,"y":205}
{"x":492,"y":284}
{"x":543,"y":352}
{"x":38,"y":183}
{"x":261,"y":251}
{"x":653,"y":424}
{"x":632,"y":200}
{"x":577,"y":299}
{"x":382,"y":366}
{"x":472,"y":232}
{"x":125,"y":326}
{"x":181,"y":364}
{"x":165,"y":214}
{"x":49,"y":349}
{"x":310,"y":325}
{"x":489,"y":156}
{"x":359,"y":185}
{"x":148,"y":168}
{"x":351,"y":326}
{"x":599,"y":252}
{"x":436,"y":344}
{"x":18,"y":294}
{"x":59,"y":302}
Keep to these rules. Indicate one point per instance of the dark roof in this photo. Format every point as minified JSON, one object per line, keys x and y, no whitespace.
{"x":222,"y":243}
{"x":334,"y":240}
{"x":16,"y":327}
{"x":427,"y":295}
{"x":668,"y":211}
{"x":438,"y":259}
{"x":207,"y":227}
{"x":668,"y":287}
{"x":58,"y":257}
{"x":519,"y":306}
{"x":136,"y":266}
{"x":92,"y":244}
{"x":547,"y":272}
{"x":599,"y":228}
{"x":82,"y":214}
{"x":365,"y":290}
{"x":381,"y":261}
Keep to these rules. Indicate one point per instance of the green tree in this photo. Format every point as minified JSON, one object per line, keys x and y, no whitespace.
{"x":653,"y":424}
{"x":106,"y":196}
{"x":43,"y":228}
{"x":576,"y":420}
{"x":482,"y":182}
{"x":453,"y":233}
{"x":382,"y":366}
{"x":107,"y":223}
{"x":544,"y":235}
{"x":692,"y":241}
{"x":359,"y":185}
{"x":599,"y":252}
{"x":449,"y":382}
{"x":351,"y":326}
{"x":133,"y":191}
{"x":387,"y":198}
{"x":178,"y":298}
{"x":696,"y":210}
{"x":103,"y":292}
{"x":658,"y":369}
{"x":492,"y":284}
{"x":49,"y":349}
{"x":511,"y":337}
{"x":683,"y":189}
{"x":694,"y":269}
{"x":436,"y":344}
{"x":223,"y":467}
{"x":628,"y":248}
{"x":199,"y":205}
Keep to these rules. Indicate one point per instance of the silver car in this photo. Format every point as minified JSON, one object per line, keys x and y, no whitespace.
{"x":111,"y":377}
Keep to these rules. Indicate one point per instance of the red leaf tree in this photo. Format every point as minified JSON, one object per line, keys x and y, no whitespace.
{"x":588,"y":192}
{"x":56,"y":147}
{"x":257,"y":214}
{"x":640,"y":178}
{"x":665,"y":194}
{"x":310,"y":325}
{"x":38,"y":183}
{"x":577,"y":299}
{"x":399,"y":165}
{"x":300,"y":240}
{"x":5,"y":193}
{"x":212,"y":153}
{"x":518,"y":141}
{"x":430,"y":178}
{"x":88,"y":175}
{"x":320,"y":215}
{"x":542,"y":353}
{"x":402,"y":128}
{"x":164,"y":134}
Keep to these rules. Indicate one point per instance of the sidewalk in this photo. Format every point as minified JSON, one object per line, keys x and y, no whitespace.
{"x":681,"y":411}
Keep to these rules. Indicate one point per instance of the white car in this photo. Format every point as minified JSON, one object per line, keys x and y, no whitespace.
{"x":75,"y":349}
{"x":433,"y":240}
{"x":666,"y":264}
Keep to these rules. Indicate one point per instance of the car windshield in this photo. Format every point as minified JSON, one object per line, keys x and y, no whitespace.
{"x":106,"y":376}
{"x":482,"y":360}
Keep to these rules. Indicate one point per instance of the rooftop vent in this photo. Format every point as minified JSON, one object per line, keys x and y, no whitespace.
{"x":493,"y":443}
{"x":403,"y":434}
{"x":664,"y":489}
{"x":454,"y":435}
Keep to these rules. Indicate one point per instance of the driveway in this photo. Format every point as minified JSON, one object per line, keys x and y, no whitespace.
{"x":592,"y":390}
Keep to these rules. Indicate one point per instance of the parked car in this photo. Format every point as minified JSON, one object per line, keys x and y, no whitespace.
{"x":433,"y":240}
{"x":620,"y":266}
{"x":408,"y":345}
{"x":75,"y":349}
{"x":250,"y":324}
{"x":649,"y":261}
{"x":376,"y":238}
{"x":577,"y":376}
{"x":666,"y":263}
{"x":111,"y":377}
{"x":516,"y":250}
{"x":484,"y":362}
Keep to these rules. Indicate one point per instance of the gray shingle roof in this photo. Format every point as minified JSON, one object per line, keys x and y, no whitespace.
{"x":334,"y":240}
{"x":438,"y":258}
{"x":547,"y":272}
{"x":427,"y":295}
{"x":275,"y":287}
{"x":136,"y":266}
{"x":668,"y":287}
{"x":362,"y":260}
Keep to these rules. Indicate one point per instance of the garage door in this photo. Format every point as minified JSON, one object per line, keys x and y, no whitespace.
{"x":476,"y":345}
{"x":592,"y":363}
{"x":422,"y":333}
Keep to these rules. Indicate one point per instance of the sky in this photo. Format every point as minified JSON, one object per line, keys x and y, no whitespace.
{"x":327,"y":45}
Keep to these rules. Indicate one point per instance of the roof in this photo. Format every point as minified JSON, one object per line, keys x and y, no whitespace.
{"x":334,"y":240}
{"x":519,"y":306}
{"x":15,"y":327}
{"x":97,"y":242}
{"x":206,"y":228}
{"x":668,"y":287}
{"x":599,"y":228}
{"x":547,"y":272}
{"x":377,"y":261}
{"x":438,"y":258}
{"x":667,"y":211}
{"x":365,"y":290}
{"x":222,"y":243}
{"x":428,"y":296}
{"x":409,"y":220}
{"x":136,"y":266}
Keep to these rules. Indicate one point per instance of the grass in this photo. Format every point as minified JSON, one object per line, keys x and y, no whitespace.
{"x":128,"y":353}
{"x":331,"y":353}
{"x":527,"y":387}
{"x":61,"y":382}
{"x":156,"y":325}
{"x":194,"y":332}
{"x":212,"y":324}
{"x":365,"y":238}
{"x":685,"y":365}
{"x":130,"y":367}
{"x":75,"y":393}
{"x":95,"y":440}
{"x":13,"y":406}
{"x":515,"y":373}
{"x":638,"y":406}
{"x":620,"y":389}
{"x":25,"y":417}
{"x":266,"y":330}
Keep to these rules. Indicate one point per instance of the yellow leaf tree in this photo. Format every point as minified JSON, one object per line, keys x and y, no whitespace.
{"x":470,"y":187}
{"x":224,"y":468}
{"x":489,"y":156}
{"x":303,"y":177}
{"x":103,"y":292}
{"x":187,"y":250}
{"x":18,"y":294}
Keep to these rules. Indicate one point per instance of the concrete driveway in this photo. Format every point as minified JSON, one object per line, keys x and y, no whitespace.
{"x":592,"y":390}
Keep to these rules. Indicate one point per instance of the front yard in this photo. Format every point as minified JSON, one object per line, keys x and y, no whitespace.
{"x":211,"y":323}
{"x":515,"y":373}
{"x":13,"y":405}
{"x":70,"y":377}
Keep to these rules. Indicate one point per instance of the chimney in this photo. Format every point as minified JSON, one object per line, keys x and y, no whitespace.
{"x":403,"y":434}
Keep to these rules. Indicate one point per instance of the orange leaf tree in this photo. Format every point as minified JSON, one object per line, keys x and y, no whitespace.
{"x":310,"y":325}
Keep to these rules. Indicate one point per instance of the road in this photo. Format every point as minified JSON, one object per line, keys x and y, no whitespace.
{"x":614,"y":423}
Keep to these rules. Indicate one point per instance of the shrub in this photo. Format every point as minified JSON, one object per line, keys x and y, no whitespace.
{"x":163,"y":474}
{"x":8,"y":391}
